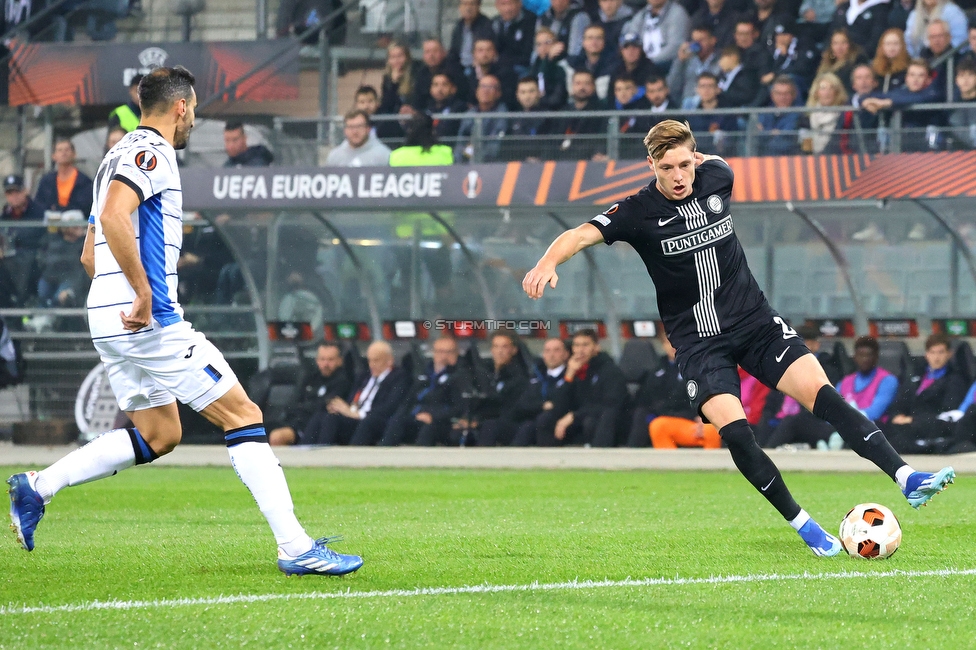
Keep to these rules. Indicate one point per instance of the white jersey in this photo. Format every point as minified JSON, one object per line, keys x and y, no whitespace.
{"x":146,"y":162}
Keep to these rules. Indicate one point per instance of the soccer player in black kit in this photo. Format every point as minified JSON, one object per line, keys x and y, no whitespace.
{"x":717,"y":317}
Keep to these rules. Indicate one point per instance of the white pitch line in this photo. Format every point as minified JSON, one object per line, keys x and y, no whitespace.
{"x":11,"y":610}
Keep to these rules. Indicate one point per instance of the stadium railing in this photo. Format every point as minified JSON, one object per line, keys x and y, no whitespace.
{"x":298,"y":139}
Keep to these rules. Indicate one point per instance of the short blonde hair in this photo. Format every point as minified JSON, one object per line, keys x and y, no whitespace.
{"x":667,"y":135}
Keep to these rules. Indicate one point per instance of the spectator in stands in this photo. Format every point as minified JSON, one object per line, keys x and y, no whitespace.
{"x":489,"y":100}
{"x":549,"y":74}
{"x":361,"y":147}
{"x":590,"y":403}
{"x":898,"y":13}
{"x":329,"y":379}
{"x":297,"y":16}
{"x":739,"y":84}
{"x":711,"y":131}
{"x":937,"y":33}
{"x":825,"y":126}
{"x":486,"y":63}
{"x":663,"y":417}
{"x":659,"y":95}
{"x":372,"y":403}
{"x":863,"y":20}
{"x":840,"y":57}
{"x":514,"y":35}
{"x":113,"y":136}
{"x":779,"y":131}
{"x":633,"y":128}
{"x":62,"y":282}
{"x":65,"y":187}
{"x":968,"y":51}
{"x":922,"y":16}
{"x":495,"y":409}
{"x":521,"y":141}
{"x":752,"y":53}
{"x":366,"y":100}
{"x":891,"y":60}
{"x":127,"y":116}
{"x":583,"y":98}
{"x":790,"y":56}
{"x":765,"y":15}
{"x":921,"y":126}
{"x":864,"y":84}
{"x":694,"y":57}
{"x":815,"y":18}
{"x":444,"y":100}
{"x":596,"y":57}
{"x":432,"y":402}
{"x":239,"y":154}
{"x":567,"y":20}
{"x":915,"y":426}
{"x":299,"y":304}
{"x":19,"y":245}
{"x":720,"y":19}
{"x":613,"y":15}
{"x":400,"y":77}
{"x":437,"y":62}
{"x":871,"y":389}
{"x":472,"y":25}
{"x":420,"y":147}
{"x":963,"y":119}
{"x":663,"y":25}
{"x":963,"y":431}
{"x":634,"y":63}
{"x":546,"y":380}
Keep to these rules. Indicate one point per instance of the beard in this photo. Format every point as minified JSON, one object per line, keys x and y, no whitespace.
{"x":181,"y":137}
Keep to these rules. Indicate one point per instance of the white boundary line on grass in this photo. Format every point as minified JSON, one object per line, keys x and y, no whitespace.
{"x":11,"y":610}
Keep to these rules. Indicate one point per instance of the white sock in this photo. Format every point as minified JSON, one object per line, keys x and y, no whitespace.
{"x":104,"y":456}
{"x":902,"y":474}
{"x":800,"y":519}
{"x":258,"y":467}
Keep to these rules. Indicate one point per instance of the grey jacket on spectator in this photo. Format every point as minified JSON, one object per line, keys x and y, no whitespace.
{"x":674,"y":25}
{"x":683,"y":76}
{"x":372,"y":154}
{"x":492,"y":130}
{"x":963,"y":123}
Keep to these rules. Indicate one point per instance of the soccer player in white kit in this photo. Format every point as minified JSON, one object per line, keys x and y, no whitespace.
{"x":152,"y":355}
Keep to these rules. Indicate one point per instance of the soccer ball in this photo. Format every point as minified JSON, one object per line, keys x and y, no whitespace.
{"x":870,"y":531}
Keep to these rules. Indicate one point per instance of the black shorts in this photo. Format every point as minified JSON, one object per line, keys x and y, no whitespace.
{"x":764,"y":346}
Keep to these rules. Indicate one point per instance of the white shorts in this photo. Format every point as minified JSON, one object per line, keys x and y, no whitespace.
{"x":155,"y":368}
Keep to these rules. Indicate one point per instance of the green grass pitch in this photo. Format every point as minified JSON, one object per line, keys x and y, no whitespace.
{"x":149,"y":537}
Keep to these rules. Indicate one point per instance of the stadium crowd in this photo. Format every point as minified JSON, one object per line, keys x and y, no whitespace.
{"x":872,"y":56}
{"x":576,"y":394}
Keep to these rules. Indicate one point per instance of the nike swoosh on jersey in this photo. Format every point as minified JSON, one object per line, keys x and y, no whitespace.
{"x":782,"y":354}
{"x":664,"y":222}
{"x":768,"y":484}
{"x":868,"y":437}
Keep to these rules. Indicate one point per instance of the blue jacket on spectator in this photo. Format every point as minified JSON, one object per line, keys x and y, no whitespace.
{"x":785,"y":142}
{"x":492,"y":130}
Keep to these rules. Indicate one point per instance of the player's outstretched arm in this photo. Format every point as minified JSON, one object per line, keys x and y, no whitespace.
{"x":562,"y":249}
{"x":116,"y":220}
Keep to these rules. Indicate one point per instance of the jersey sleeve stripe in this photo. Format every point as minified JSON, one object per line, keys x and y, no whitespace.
{"x":132,"y":184}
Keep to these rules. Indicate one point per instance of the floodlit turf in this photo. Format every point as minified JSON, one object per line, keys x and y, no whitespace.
{"x":158,"y":534}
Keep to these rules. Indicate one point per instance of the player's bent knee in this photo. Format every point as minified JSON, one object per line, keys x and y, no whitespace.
{"x":281,"y":436}
{"x":163,"y":441}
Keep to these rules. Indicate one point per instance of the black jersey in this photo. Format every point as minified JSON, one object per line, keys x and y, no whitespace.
{"x":704,"y":285}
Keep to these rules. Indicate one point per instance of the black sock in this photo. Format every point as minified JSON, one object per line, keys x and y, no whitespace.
{"x":757,"y":467}
{"x":861,"y":434}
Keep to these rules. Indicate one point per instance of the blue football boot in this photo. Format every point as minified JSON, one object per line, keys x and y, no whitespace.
{"x":820,"y":541}
{"x":26,"y":507}
{"x":319,"y":560}
{"x":922,"y":486}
